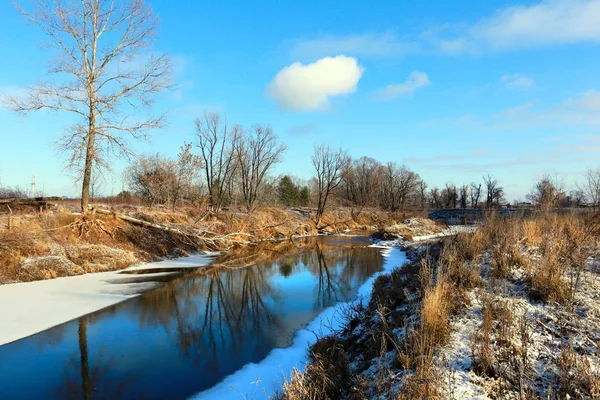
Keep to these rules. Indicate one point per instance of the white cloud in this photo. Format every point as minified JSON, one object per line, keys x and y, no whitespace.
{"x":302,"y":87}
{"x":381,"y":45}
{"x":589,"y":101}
{"x":579,"y":111}
{"x":415,"y":80}
{"x":516,"y":81}
{"x":546,"y":23}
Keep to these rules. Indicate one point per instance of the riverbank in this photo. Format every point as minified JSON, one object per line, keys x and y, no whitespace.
{"x":46,"y":303}
{"x":509,"y":311}
{"x":262,"y":380}
{"x":48,"y":245}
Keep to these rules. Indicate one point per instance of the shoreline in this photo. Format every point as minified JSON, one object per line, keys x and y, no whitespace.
{"x":261,"y":380}
{"x":43,"y":304}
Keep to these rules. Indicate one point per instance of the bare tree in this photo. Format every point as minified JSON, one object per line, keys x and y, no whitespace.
{"x":591,"y":186}
{"x":435,"y":197}
{"x":398,"y":184}
{"x":498,"y":196}
{"x":474,"y":194}
{"x":256,"y":152}
{"x":493,"y":190}
{"x":449,"y":196}
{"x":546,"y":193}
{"x":217,"y":146}
{"x":152,"y":178}
{"x":407,"y":185}
{"x":186,"y":172}
{"x":106,"y":77}
{"x":361,"y":180}
{"x":422,"y":186}
{"x":463,"y":193}
{"x":329,"y":166}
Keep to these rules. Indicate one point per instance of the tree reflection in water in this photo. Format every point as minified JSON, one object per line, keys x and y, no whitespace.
{"x":196,"y":329}
{"x":81,"y":381}
{"x":224,"y":309}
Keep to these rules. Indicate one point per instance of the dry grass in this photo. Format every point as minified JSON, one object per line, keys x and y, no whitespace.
{"x":70,"y":240}
{"x":577,"y":377}
{"x":550,"y":251}
{"x":326,"y":377}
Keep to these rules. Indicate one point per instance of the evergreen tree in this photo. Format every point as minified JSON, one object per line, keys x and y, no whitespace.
{"x":289,"y":193}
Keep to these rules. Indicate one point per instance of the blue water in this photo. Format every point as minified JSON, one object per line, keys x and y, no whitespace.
{"x":187,"y":335}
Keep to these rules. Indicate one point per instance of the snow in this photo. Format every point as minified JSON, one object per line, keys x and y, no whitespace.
{"x":261,"y":380}
{"x":450,"y":231}
{"x":457,"y":353}
{"x":32,"y":307}
{"x":550,"y":329}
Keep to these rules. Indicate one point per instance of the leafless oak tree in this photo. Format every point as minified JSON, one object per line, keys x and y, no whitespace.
{"x":329,"y":166}
{"x":256,"y":152}
{"x":217,"y":149}
{"x":106,"y":76}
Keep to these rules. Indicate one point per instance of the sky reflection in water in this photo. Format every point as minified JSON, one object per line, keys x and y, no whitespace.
{"x":186,"y":336}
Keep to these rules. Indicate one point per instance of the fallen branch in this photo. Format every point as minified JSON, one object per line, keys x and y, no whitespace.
{"x":140,"y":222}
{"x":212,"y":242}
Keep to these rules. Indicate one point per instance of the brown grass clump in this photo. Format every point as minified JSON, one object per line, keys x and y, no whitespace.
{"x":577,"y":377}
{"x":563,"y":251}
{"x":94,"y":258}
{"x":458,"y":261}
{"x":501,"y":348}
{"x":45,"y":267}
{"x":431,"y":331}
{"x":326,"y":376}
{"x":435,"y":313}
{"x":14,"y":248}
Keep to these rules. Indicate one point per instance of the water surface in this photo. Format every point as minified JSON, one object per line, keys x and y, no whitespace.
{"x":187,"y":335}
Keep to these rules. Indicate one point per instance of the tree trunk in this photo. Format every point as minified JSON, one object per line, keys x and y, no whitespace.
{"x":89,"y":159}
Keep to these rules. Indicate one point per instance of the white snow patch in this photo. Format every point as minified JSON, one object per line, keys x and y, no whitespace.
{"x":450,"y":231}
{"x":263,"y":379}
{"x":457,"y":353}
{"x":31,"y":307}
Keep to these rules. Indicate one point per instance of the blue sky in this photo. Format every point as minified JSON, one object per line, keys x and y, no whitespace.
{"x":452,"y":89}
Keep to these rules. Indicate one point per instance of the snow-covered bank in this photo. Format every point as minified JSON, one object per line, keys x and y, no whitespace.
{"x":561,"y":342}
{"x":263,"y":379}
{"x":450,"y":231}
{"x":31,"y":307}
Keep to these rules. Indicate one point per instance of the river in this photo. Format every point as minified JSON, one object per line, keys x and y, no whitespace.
{"x":202,"y":333}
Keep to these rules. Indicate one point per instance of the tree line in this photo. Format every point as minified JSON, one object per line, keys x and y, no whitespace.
{"x":232,"y":165}
{"x":107,"y":75}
